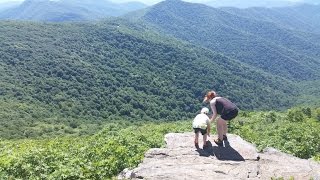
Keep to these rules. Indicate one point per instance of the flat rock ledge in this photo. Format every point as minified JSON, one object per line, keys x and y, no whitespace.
{"x":238,"y":159}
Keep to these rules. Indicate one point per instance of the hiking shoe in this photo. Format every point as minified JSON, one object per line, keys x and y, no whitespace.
{"x":225,"y":138}
{"x":205,"y":146}
{"x":218,"y":142}
{"x":196,"y":145}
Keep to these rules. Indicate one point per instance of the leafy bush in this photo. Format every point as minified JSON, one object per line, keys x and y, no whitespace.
{"x":96,"y":157}
{"x":291,"y":132}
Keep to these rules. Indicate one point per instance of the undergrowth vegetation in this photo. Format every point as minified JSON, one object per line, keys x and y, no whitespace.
{"x":296,"y":131}
{"x":122,"y":145}
{"x":100,"y":156}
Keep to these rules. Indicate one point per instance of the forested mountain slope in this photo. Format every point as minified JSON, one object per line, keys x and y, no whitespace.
{"x":259,"y":43}
{"x":68,"y":10}
{"x":303,"y":17}
{"x":61,"y":72}
{"x":249,"y":3}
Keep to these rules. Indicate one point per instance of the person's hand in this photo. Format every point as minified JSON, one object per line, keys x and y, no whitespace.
{"x":211,"y":120}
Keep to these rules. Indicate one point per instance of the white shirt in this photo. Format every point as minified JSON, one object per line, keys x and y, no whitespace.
{"x":201,"y":121}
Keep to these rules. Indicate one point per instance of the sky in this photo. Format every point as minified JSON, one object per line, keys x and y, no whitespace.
{"x":149,"y":2}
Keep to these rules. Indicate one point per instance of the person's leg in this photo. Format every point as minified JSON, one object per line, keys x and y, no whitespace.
{"x":205,"y":139}
{"x":196,"y":137}
{"x":226,"y":118}
{"x":225,"y":131}
{"x":221,"y":128}
{"x":225,"y":128}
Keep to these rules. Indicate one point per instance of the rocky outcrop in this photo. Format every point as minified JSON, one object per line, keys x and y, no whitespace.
{"x":238,"y":159}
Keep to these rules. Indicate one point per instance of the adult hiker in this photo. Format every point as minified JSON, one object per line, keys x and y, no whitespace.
{"x":227,"y":111}
{"x":201,"y":123}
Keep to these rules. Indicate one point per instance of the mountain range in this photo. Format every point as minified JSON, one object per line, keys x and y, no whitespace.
{"x":76,"y":10}
{"x":302,"y":18}
{"x":68,"y":10}
{"x":155,"y":64}
{"x":257,"y":3}
{"x":86,"y":73}
{"x":272,"y":45}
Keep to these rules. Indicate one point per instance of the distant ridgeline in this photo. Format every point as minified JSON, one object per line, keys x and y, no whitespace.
{"x":71,"y":73}
{"x":68,"y":10}
{"x":280,"y":41}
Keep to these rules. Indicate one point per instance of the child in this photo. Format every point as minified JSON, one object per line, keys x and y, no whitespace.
{"x":201,"y":123}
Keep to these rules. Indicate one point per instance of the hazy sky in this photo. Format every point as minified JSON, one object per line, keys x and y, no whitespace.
{"x":149,"y":1}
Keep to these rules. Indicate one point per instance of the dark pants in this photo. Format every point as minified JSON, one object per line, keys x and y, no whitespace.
{"x":203,"y":131}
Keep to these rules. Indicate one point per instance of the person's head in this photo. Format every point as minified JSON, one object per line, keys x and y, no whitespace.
{"x":209,"y":96}
{"x":204,"y":110}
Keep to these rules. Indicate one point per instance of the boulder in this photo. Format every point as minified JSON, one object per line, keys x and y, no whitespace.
{"x":237,"y":159}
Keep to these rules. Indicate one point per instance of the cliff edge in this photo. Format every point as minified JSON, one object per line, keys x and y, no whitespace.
{"x":237,"y":160}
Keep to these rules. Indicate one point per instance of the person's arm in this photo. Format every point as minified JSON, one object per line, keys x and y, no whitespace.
{"x":209,"y":127}
{"x":214,"y":110}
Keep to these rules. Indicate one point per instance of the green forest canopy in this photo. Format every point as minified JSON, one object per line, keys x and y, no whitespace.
{"x":75,"y":73}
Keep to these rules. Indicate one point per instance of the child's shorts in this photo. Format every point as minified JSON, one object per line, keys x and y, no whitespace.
{"x":203,"y":131}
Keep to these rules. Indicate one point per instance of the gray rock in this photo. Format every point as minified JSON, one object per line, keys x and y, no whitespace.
{"x":238,"y":159}
{"x":127,"y":174}
{"x":274,"y":163}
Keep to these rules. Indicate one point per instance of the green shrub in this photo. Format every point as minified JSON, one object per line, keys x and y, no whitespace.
{"x":100,"y":156}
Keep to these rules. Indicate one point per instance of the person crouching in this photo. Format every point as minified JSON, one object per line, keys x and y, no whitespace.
{"x":201,"y":123}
